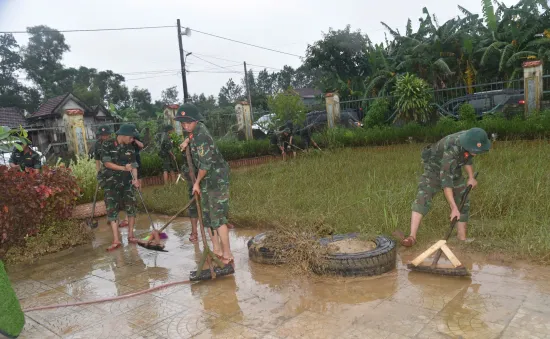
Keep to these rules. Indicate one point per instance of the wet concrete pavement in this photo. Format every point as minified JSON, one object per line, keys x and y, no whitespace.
{"x":261,"y":301}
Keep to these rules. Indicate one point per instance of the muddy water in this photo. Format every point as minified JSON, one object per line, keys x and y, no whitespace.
{"x":260,"y":301}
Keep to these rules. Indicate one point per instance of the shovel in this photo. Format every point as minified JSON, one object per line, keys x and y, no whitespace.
{"x":91,"y":222}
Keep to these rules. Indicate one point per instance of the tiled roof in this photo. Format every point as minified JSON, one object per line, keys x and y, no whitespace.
{"x":11,"y":117}
{"x":308,"y":92}
{"x":49,"y":106}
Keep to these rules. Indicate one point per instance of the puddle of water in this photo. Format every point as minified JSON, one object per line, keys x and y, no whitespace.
{"x":260,"y":299}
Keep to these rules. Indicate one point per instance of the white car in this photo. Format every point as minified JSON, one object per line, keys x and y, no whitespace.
{"x":264,"y":123}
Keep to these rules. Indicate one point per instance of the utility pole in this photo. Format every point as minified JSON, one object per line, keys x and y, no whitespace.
{"x":248,"y":117}
{"x":182,"y":60}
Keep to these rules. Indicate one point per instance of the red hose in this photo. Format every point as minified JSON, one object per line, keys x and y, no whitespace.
{"x":109,"y":299}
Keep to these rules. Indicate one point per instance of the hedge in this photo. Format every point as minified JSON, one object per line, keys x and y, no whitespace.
{"x":535,"y":127}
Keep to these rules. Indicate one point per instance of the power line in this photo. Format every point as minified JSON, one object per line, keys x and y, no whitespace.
{"x":217,"y":58}
{"x":223,"y":67}
{"x":90,"y":30}
{"x":246,"y":43}
{"x":155,"y":76}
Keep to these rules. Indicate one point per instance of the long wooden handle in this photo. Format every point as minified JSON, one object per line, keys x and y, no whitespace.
{"x":176,"y":215}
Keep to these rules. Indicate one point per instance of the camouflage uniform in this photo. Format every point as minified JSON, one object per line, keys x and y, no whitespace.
{"x":96,"y":153}
{"x":119,"y":192}
{"x":215,"y":185}
{"x":165,"y":148}
{"x":443,"y":162}
{"x":280,"y":139}
{"x":31,"y":159}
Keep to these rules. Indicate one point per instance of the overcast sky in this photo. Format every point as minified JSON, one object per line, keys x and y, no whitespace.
{"x":283,"y":25}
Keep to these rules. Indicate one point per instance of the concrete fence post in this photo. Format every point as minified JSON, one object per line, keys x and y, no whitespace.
{"x":75,"y":131}
{"x":244,"y":119}
{"x":332,"y":102}
{"x":532,"y":85}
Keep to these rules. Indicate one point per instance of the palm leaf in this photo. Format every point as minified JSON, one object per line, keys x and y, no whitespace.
{"x":465,"y":11}
{"x":442,"y":66}
{"x":392,"y":32}
{"x":506,"y":53}
{"x":538,"y":43}
{"x":518,"y":56}
{"x":493,"y":48}
{"x":489,"y":14}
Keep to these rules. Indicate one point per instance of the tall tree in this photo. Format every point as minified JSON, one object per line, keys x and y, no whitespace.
{"x":141,"y":102}
{"x":170,"y":95}
{"x":10,"y":62}
{"x":42,"y":57}
{"x":230,"y":93}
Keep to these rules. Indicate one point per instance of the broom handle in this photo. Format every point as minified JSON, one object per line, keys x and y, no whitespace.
{"x":176,"y":215}
{"x":454,"y":221}
{"x":199,"y":210}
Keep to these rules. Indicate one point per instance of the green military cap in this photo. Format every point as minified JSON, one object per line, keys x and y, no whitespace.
{"x":286,"y":130}
{"x":127,"y":130}
{"x":188,"y":113}
{"x":104,"y":130}
{"x":168,"y":128}
{"x":475,"y":141}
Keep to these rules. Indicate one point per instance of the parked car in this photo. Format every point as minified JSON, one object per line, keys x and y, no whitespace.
{"x":484,"y":102}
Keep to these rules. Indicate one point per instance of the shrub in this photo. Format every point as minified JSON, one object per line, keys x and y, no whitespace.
{"x":376,"y":115}
{"x":466,"y":112}
{"x":28,"y":200}
{"x":151,"y":164}
{"x":413,"y":99}
{"x":84,"y":170}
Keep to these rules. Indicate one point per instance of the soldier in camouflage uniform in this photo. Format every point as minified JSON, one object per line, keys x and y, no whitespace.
{"x":283,"y":140}
{"x":443,"y":162}
{"x":104,"y":132}
{"x":212,"y":180}
{"x":118,"y":157}
{"x":168,"y":158}
{"x":27,"y":158}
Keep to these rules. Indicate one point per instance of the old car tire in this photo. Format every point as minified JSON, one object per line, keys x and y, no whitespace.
{"x":257,"y":252}
{"x":374,"y":262}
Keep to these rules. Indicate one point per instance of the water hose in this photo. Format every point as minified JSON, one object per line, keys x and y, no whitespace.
{"x":152,"y":289}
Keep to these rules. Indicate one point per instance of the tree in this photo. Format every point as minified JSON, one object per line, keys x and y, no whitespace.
{"x":288,"y":106}
{"x":141,"y":102}
{"x":203,"y":103}
{"x":341,"y":60}
{"x":266,"y":82}
{"x":10,"y":63}
{"x":285,"y":78}
{"x":170,"y":95}
{"x":230,"y":93}
{"x":112,"y":88}
{"x":42,"y":57}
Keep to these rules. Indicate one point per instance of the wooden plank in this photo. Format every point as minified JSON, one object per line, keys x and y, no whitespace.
{"x":418,"y":260}
{"x":450,"y":255}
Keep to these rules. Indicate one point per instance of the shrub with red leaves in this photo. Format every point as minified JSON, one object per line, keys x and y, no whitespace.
{"x":29,"y":199}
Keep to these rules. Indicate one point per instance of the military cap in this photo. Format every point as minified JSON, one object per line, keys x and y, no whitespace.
{"x":475,"y":141}
{"x":188,"y":113}
{"x":104,"y":130}
{"x":127,"y":130}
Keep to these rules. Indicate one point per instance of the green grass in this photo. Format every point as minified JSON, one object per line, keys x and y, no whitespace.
{"x":12,"y":319}
{"x":370,"y":190}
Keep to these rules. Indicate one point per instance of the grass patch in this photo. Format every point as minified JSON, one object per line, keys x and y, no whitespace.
{"x":53,"y":237}
{"x":370,"y":190}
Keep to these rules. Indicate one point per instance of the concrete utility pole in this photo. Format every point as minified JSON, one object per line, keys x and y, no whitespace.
{"x":182,"y":61}
{"x":248,"y":117}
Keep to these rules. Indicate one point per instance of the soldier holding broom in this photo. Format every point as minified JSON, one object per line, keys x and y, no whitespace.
{"x":212,"y":179}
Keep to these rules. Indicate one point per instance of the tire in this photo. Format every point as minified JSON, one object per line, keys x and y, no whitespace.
{"x":261,"y":254}
{"x":380,"y":260}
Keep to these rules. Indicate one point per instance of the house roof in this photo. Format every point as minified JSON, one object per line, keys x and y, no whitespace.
{"x":50,"y":106}
{"x":11,"y":117}
{"x":308,"y":92}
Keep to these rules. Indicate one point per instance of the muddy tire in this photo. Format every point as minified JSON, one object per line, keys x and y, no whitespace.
{"x":377,"y":261}
{"x":261,"y":254}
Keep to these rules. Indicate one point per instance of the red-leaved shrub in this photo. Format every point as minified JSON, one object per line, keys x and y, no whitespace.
{"x":29,"y":199}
